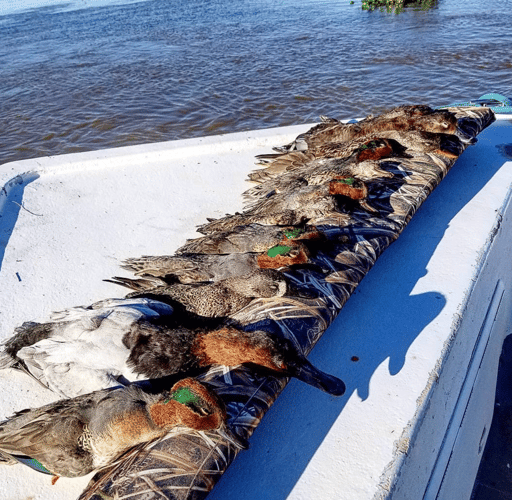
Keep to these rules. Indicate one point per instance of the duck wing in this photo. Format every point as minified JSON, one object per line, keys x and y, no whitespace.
{"x":282,"y":163}
{"x":281,"y":218}
{"x":71,"y":368}
{"x":50,"y":435}
{"x":240,"y":239}
{"x":84,"y":349}
{"x":193,"y":268}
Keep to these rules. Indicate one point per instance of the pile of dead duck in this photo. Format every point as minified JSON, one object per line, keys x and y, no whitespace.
{"x":130,"y":370}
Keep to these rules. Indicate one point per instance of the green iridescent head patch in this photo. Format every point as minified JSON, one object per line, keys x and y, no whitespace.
{"x":278,"y":250}
{"x":184,"y":396}
{"x":371,"y":144}
{"x":348,"y":180}
{"x":293,"y":233}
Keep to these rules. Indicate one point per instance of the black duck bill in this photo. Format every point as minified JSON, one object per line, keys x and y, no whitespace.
{"x":302,"y":292}
{"x":303,"y":370}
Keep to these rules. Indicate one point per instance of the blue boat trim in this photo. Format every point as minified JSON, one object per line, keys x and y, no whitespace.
{"x":497,"y":102}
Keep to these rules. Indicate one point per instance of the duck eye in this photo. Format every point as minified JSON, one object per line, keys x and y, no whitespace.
{"x":193,"y":402}
{"x":201,"y":410}
{"x":187,"y":398}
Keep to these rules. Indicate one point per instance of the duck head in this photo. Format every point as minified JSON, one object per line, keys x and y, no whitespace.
{"x":445,"y":122}
{"x":286,"y":254}
{"x":260,"y":283}
{"x":301,"y":233}
{"x":351,"y":187}
{"x":440,"y":121}
{"x":265,"y":283}
{"x":189,"y":403}
{"x":377,"y":148}
{"x":231,"y":347}
{"x":294,"y":364}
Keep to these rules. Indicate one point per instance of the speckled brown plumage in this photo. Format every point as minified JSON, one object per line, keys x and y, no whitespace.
{"x":315,"y":173}
{"x":224,"y":297}
{"x":250,"y":238}
{"x":193,"y":268}
{"x":298,"y":205}
{"x":358,"y":150}
{"x":400,"y":119}
{"x":76,"y":436}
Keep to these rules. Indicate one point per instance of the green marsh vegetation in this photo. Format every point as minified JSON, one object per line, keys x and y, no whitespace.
{"x":397,"y":5}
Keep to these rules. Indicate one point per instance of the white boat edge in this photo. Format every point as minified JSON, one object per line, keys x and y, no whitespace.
{"x":427,"y":323}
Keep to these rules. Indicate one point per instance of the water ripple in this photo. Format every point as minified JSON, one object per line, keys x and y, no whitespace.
{"x":76,"y":80}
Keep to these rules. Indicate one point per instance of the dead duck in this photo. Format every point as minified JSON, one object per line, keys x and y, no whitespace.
{"x":99,"y":359}
{"x":419,"y":141}
{"x":315,"y":173}
{"x":227,"y":346}
{"x":193,"y":268}
{"x":305,"y":203}
{"x":366,"y":147}
{"x":409,"y":110}
{"x":218,"y":299}
{"x":73,"y":437}
{"x":283,"y":217}
{"x":417,"y":110}
{"x":437,"y":121}
{"x":362,"y":149}
{"x":249,"y":238}
{"x":86,"y":350}
{"x":339,"y":185}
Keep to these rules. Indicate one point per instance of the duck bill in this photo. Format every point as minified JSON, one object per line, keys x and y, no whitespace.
{"x":311,"y":375}
{"x":465,"y":137}
{"x":301,"y":292}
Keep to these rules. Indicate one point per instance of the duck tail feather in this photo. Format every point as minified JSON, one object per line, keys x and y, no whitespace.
{"x":260,"y":176}
{"x":137,"y":284}
{"x":25,"y":335}
{"x":6,"y":459}
{"x":284,"y":149}
{"x":268,"y":158}
{"x":6,"y":360}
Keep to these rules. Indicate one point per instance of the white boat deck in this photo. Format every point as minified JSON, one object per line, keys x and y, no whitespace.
{"x":426,"y":324}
